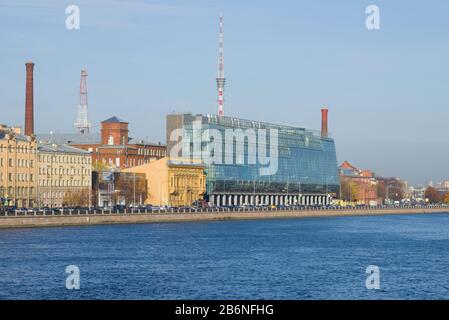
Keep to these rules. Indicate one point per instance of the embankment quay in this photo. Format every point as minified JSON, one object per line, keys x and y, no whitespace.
{"x":93,"y":217}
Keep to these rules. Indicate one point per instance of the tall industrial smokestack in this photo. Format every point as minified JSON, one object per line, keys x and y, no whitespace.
{"x":324,"y":132}
{"x":29,"y":103}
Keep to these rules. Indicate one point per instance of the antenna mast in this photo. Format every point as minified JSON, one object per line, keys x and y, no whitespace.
{"x":221,"y":78}
{"x":82,"y":122}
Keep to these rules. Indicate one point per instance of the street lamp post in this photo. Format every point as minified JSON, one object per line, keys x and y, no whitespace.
{"x":51,"y":181}
{"x":350,"y":191}
{"x":1,"y":197}
{"x":339,"y":189}
{"x":134,"y":189}
{"x":254,"y":191}
{"x":300,"y":185}
{"x":288,"y":186}
{"x":90,"y":194}
{"x":327,"y":185}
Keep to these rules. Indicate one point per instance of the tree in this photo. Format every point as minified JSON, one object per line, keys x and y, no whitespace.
{"x":390,"y":188}
{"x":99,"y":166}
{"x":433,"y":195}
{"x":76,"y":198}
{"x":130,"y":188}
{"x":349,"y":190}
{"x":381,"y":189}
{"x":446,"y":198}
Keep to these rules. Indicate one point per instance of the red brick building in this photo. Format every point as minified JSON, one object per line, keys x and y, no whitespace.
{"x":358,"y":185}
{"x":112,"y":148}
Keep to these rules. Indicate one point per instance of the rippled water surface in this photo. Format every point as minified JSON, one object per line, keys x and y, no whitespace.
{"x":314,"y":258}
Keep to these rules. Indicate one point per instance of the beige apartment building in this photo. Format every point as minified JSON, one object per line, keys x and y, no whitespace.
{"x":18,"y":168}
{"x":64,"y":176}
{"x":173,"y":182}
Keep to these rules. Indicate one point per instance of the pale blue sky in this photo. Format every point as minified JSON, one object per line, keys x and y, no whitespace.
{"x":387,"y":90}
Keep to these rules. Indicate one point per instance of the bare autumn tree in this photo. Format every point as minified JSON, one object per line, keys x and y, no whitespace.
{"x":433,"y":195}
{"x":130,"y":188}
{"x":446,"y":198}
{"x":390,"y":188}
{"x":349,"y":190}
{"x":76,"y":198}
{"x":99,"y":166}
{"x":381,"y":189}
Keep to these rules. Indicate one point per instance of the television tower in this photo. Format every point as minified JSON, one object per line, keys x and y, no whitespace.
{"x":82,"y":123}
{"x":220,"y":78}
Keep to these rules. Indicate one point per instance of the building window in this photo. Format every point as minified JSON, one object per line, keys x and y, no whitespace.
{"x":111,"y":140}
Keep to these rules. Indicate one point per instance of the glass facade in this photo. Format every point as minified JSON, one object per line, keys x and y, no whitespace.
{"x":301,"y":161}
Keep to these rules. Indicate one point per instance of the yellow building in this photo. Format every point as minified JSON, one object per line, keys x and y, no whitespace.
{"x":17,"y":168}
{"x":173,"y":182}
{"x":64,"y":176}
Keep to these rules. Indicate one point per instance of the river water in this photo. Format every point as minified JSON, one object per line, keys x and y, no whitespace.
{"x":311,"y":258}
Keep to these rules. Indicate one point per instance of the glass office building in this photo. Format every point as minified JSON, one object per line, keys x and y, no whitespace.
{"x":252,"y":162}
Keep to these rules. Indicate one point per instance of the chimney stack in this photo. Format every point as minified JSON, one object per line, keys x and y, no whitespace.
{"x":29,"y":104}
{"x":324,"y":132}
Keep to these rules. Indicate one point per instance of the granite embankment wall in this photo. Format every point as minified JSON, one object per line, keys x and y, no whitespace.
{"x":92,"y":219}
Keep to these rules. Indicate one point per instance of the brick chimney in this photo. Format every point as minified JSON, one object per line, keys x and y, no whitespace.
{"x":29,"y":104}
{"x":324,"y":132}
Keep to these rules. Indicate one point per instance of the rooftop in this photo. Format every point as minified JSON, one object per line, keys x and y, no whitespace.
{"x":4,"y":130}
{"x":114,"y":119}
{"x":245,"y":123}
{"x":145,"y":142}
{"x":60,"y":148}
{"x":70,"y":138}
{"x":347,"y":165}
{"x":114,"y":146}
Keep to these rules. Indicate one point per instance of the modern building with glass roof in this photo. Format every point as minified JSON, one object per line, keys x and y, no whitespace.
{"x":257,"y":163}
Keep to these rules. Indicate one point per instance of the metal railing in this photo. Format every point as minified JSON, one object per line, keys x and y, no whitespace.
{"x":140,"y":211}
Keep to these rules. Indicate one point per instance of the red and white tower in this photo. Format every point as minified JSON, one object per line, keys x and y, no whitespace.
{"x":220,"y":78}
{"x":82,"y":122}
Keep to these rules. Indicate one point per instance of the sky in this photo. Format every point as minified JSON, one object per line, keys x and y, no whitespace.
{"x":387,"y":90}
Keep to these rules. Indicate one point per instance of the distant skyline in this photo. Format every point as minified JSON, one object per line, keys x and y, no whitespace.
{"x":386,"y":90}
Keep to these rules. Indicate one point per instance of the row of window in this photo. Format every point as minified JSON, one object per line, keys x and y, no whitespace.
{"x":19,"y":148}
{"x":111,"y":140}
{"x":53,"y":195}
{"x":19,"y":191}
{"x":21,"y":163}
{"x":65,"y":171}
{"x":64,"y":183}
{"x":151,"y":152}
{"x":24,"y":163}
{"x":21,"y":177}
{"x":186,"y":182}
{"x":64,"y":159}
{"x":129,"y":162}
{"x":24,"y":177}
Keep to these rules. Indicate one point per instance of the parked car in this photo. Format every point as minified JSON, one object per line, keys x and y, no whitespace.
{"x":119,"y":207}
